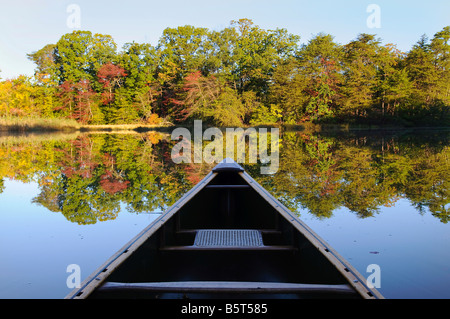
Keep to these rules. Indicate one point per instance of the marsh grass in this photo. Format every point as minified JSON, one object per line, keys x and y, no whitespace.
{"x":113,"y":128}
{"x":33,"y":124}
{"x":35,"y":138}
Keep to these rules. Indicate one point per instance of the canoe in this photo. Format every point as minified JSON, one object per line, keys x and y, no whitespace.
{"x":227,"y":237}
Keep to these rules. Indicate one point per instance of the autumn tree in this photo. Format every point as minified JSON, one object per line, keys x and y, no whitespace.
{"x":78,"y":101}
{"x":211,"y":99}
{"x":111,"y":76}
{"x":83,"y":111}
{"x":17,"y":97}
{"x":321,"y":60}
{"x":307,"y":86}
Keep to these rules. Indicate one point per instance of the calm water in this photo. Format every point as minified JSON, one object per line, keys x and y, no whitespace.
{"x":376,"y":197}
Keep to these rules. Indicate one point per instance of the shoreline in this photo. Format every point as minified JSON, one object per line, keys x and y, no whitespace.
{"x":43,"y":125}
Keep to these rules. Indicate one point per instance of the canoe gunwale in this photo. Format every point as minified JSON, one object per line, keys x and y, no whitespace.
{"x":356,"y":280}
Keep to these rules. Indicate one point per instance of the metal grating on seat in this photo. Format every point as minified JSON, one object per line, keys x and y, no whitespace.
{"x":228,"y":238}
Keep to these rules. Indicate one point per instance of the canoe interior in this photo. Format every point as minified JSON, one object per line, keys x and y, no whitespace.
{"x":169,"y":255}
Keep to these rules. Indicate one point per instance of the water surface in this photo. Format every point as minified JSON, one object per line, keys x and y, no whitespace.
{"x":376,"y":197}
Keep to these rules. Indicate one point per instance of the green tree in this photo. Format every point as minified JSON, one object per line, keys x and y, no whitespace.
{"x":256,"y":54}
{"x":46,"y":68}
{"x":440,"y":49}
{"x":393,"y":84}
{"x":122,"y":110}
{"x":183,"y":46}
{"x":79,"y":55}
{"x":140,"y":63}
{"x":428,"y":66}
{"x":420,"y":67}
{"x":361,"y":62}
{"x":287,"y":92}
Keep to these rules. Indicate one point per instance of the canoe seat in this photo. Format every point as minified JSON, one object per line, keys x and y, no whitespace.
{"x":228,"y":238}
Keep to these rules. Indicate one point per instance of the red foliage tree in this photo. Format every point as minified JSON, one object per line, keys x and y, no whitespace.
{"x":110,"y":76}
{"x":85,"y":95}
{"x":197,"y":92}
{"x":110,"y":181}
{"x":66,"y":95}
{"x":112,"y":185}
{"x":79,"y":158}
{"x":77,"y":99}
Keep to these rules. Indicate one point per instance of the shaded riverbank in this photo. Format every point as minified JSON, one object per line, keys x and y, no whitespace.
{"x":16,"y":125}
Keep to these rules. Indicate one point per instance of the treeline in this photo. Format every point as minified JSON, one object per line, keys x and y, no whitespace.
{"x":241,"y":75}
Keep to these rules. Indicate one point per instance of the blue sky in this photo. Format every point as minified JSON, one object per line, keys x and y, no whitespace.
{"x":28,"y":25}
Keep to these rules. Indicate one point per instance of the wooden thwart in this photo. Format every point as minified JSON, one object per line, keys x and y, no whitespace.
{"x":226,"y":287}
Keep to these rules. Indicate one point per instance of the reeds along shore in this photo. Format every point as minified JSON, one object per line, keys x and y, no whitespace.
{"x":13,"y":125}
{"x":22,"y":124}
{"x":16,"y":124}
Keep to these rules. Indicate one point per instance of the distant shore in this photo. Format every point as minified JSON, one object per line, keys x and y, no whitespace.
{"x":24,"y":125}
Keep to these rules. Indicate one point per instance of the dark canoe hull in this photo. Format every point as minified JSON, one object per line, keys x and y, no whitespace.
{"x":254,"y":248}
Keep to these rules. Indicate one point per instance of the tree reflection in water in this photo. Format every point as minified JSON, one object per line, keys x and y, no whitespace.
{"x":91,"y":177}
